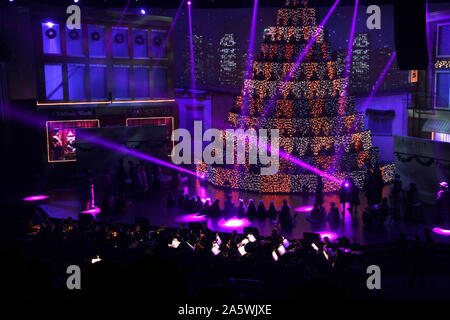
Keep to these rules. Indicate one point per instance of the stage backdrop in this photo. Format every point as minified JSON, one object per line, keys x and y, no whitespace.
{"x":425,"y":162}
{"x":150,"y":140}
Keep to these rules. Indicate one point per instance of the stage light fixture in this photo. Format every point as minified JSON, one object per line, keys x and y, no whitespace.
{"x":189,"y":3}
{"x":143,"y":11}
{"x":35,"y":198}
{"x":76,"y":1}
{"x":49,"y":24}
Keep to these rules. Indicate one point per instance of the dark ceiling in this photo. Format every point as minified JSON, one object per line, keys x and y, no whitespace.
{"x":195,"y":3}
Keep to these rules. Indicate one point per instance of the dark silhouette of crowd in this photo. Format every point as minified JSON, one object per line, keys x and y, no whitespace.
{"x":190,"y":260}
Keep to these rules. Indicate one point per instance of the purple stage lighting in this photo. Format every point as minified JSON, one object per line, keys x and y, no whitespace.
{"x":445,"y":232}
{"x":302,"y":55}
{"x":143,"y":12}
{"x":379,"y":81}
{"x":201,"y":176}
{"x":35,"y":198}
{"x":328,"y":234}
{"x":309,"y":167}
{"x":304,"y":209}
{"x":122,"y":149}
{"x":248,"y":67}
{"x":233,"y":223}
{"x":92,"y":211}
{"x":194,"y":217}
{"x":175,"y":19}
{"x":189,"y":3}
{"x":76,"y":1}
{"x":191,"y":48}
{"x":346,"y":185}
{"x":348,"y":60}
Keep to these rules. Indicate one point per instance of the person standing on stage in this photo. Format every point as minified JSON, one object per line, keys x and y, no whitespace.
{"x":443,"y":204}
{"x":354,"y":197}
{"x":344,"y":195}
{"x":319,"y":190}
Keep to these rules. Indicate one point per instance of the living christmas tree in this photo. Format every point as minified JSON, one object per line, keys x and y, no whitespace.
{"x":315,"y":115}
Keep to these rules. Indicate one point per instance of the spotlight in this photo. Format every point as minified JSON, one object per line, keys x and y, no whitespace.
{"x":346,"y":185}
{"x":76,"y":1}
{"x":189,"y":3}
{"x":143,"y":11}
{"x":201,"y":176}
{"x":35,"y":198}
{"x":49,"y":24}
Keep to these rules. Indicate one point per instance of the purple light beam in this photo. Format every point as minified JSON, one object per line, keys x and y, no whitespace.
{"x":38,"y":122}
{"x":284,"y":155}
{"x":251,"y":45}
{"x":348,"y":60}
{"x":379,"y":81}
{"x":122,"y":149}
{"x":175,"y":19}
{"x":191,"y":48}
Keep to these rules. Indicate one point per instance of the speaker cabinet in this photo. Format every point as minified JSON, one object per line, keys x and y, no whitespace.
{"x":410,"y":34}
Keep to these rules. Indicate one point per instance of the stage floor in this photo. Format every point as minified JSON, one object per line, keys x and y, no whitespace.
{"x":65,"y":203}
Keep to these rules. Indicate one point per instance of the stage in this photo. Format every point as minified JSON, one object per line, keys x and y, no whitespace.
{"x":65,"y":203}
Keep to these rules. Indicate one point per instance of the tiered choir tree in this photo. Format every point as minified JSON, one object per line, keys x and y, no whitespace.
{"x":315,"y":116}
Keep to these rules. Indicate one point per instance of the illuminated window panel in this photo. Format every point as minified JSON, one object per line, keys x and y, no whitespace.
{"x":53,"y":82}
{"x":443,"y":47}
{"x":120,"y":42}
{"x":140,"y":43}
{"x":96,"y":41}
{"x":61,"y":138}
{"x":98,"y":81}
{"x":121,"y":82}
{"x":159,"y":44}
{"x":51,"y":41}
{"x":160,"y":88}
{"x":75,"y":75}
{"x":442,"y":88}
{"x":74,"y":43}
{"x":141,"y":82}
